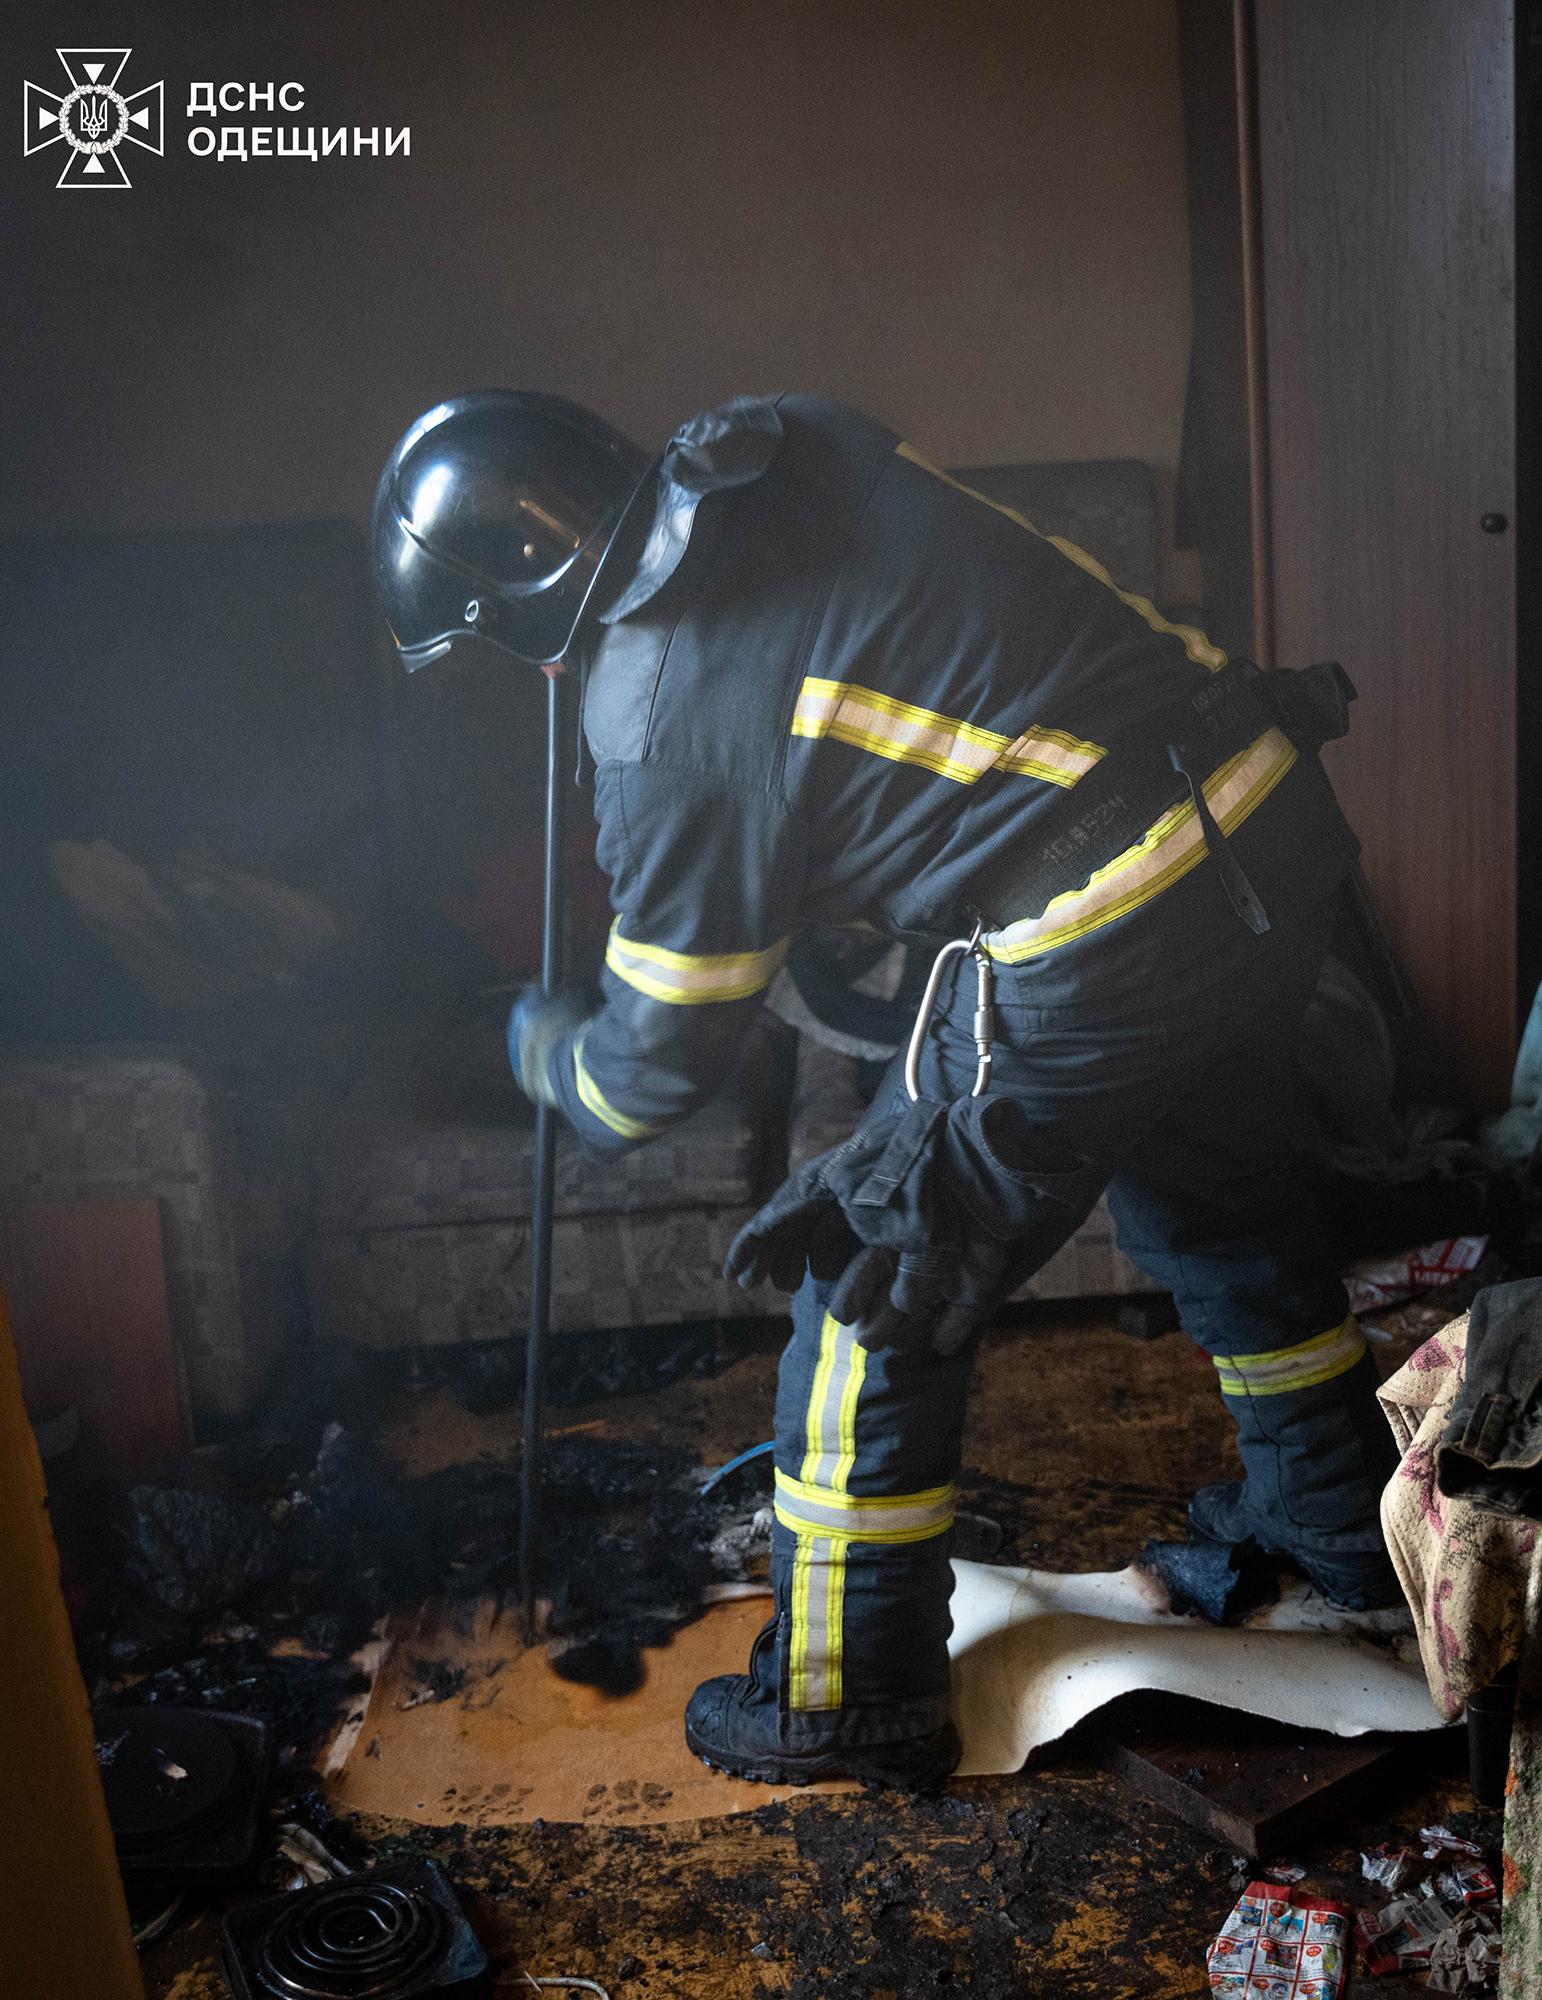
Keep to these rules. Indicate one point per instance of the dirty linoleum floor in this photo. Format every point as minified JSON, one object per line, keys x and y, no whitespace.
{"x":1062,"y":1883}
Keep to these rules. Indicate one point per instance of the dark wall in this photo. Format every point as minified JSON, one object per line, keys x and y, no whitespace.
{"x":969,"y":218}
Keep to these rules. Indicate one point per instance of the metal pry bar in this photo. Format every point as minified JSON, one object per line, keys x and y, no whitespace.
{"x":543,"y":1193}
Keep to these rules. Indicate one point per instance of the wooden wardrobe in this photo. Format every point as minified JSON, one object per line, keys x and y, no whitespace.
{"x":1362,"y":219}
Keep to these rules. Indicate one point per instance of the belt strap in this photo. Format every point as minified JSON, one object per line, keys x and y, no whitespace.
{"x":1240,"y":892}
{"x":1126,"y":792}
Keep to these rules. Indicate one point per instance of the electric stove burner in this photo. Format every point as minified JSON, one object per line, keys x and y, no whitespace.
{"x":183,"y":1787}
{"x":392,"y":1934}
{"x":358,"y":1939}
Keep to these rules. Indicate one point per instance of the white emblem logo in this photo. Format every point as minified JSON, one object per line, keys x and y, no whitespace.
{"x":93,"y":118}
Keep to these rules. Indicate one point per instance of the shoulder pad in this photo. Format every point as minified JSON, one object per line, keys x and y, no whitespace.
{"x":729,"y":446}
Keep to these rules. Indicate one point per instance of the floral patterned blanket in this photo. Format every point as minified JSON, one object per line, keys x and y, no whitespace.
{"x":1474,"y":1584}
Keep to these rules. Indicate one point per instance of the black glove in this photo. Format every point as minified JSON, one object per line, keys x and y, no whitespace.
{"x":896,"y":1301}
{"x":921,"y":1213}
{"x":945,"y":1207}
{"x":537,"y":1022}
{"x":801,"y":1228}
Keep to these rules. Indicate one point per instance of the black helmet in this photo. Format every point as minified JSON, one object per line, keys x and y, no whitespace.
{"x":493,"y":516}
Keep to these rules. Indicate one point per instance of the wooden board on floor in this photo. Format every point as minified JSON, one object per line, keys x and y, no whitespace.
{"x":517,"y":1743}
{"x":1259,"y":1785}
{"x":86,"y":1281}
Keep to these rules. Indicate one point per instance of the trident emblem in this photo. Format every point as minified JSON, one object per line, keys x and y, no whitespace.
{"x":94,"y":118}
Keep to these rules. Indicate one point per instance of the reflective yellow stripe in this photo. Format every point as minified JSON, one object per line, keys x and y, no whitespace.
{"x":688,"y":981}
{"x":839,"y":1517}
{"x":846,"y":1417}
{"x":813,"y":1429}
{"x":868,"y":720}
{"x":835,"y":1615}
{"x":1201,"y":650}
{"x":1164,"y":854}
{"x":1272,"y":1356}
{"x":798,"y":1657}
{"x":830,"y":1426}
{"x":1285,"y":1368}
{"x":595,"y":1100}
{"x":816,"y":1641}
{"x":894,"y":729}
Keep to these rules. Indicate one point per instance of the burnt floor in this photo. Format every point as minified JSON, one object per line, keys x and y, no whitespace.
{"x":1063,"y":1881}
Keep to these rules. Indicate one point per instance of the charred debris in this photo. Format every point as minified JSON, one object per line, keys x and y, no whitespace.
{"x":253,"y":1576}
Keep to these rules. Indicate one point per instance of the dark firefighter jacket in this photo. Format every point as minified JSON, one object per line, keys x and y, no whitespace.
{"x":840,"y":688}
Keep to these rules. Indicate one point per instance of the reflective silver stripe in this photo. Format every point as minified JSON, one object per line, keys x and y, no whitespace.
{"x":830,"y":1423}
{"x":870,"y":720}
{"x":1051,"y":754}
{"x":1165,"y":853}
{"x":686,"y":979}
{"x":818,"y":1601}
{"x":898,"y":730}
{"x":887,"y":1517}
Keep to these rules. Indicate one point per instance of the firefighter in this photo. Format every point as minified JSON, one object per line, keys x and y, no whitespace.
{"x":824,"y":684}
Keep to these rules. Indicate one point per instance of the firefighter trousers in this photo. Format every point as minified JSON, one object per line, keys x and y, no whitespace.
{"x":1196,"y":1110}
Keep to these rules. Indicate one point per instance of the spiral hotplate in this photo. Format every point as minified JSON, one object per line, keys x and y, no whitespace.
{"x":393,"y":1933}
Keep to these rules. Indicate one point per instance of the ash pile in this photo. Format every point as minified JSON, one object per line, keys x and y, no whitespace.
{"x":256,"y":1576}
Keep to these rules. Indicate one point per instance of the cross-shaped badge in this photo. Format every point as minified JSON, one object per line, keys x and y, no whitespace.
{"x":94,"y":118}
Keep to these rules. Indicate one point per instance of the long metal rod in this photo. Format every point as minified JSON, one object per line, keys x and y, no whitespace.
{"x":544,"y":1189}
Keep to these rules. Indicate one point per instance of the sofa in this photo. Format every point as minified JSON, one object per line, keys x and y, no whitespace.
{"x":335,"y":1145}
{"x":102,"y":1122}
{"x":194,"y":718}
{"x":422,"y":1233}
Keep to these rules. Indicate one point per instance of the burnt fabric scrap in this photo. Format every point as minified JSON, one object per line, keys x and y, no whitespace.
{"x":187,"y":1554}
{"x":1222,"y":1582}
{"x":1491,"y":1452}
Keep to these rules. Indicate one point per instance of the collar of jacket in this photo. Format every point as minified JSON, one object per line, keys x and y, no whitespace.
{"x":731,"y":445}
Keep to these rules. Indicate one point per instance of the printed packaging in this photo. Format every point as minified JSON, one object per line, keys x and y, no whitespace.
{"x":1281,"y":1943}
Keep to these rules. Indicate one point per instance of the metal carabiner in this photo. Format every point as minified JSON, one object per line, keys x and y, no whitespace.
{"x":984,"y":1013}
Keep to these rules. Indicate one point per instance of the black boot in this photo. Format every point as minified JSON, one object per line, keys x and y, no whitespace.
{"x":1355,"y":1580}
{"x":1316,"y":1460}
{"x":736,"y":1723}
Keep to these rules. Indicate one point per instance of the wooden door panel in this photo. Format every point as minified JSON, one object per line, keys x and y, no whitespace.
{"x":1386,"y":177}
{"x":86,"y":1285}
